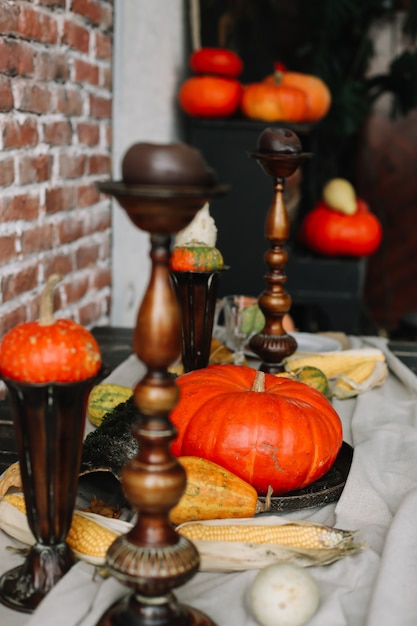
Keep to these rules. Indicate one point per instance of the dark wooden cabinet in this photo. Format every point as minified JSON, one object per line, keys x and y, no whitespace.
{"x":326,"y":293}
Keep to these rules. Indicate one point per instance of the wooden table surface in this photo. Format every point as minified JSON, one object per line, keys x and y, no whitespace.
{"x":116,"y":346}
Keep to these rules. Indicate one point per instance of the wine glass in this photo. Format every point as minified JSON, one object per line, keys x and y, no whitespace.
{"x":243,"y":318}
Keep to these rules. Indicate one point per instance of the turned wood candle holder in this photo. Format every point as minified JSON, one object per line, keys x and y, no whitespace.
{"x":153,"y":559}
{"x":273,"y":344}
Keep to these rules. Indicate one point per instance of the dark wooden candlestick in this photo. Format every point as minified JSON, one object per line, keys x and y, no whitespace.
{"x":273,"y":344}
{"x":152,"y":558}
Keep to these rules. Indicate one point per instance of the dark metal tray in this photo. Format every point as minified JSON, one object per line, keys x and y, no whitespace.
{"x":323,"y":491}
{"x":104,"y":485}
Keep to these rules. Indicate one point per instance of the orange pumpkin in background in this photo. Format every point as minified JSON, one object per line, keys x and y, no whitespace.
{"x":318,"y":96}
{"x":332,"y":233}
{"x":271,"y":102}
{"x":210,"y":96}
{"x":217,"y":61}
{"x":214,"y":89}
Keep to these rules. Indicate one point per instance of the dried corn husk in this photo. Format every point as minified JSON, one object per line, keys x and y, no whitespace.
{"x":334,"y":363}
{"x":360,"y":378}
{"x":219,"y":556}
{"x":14,"y":523}
{"x":227,"y":556}
{"x":350,"y":372}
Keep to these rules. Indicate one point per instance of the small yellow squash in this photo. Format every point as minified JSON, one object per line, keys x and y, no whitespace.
{"x":213,"y":492}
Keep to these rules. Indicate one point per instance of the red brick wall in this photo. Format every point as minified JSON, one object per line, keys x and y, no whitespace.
{"x":55,"y":141}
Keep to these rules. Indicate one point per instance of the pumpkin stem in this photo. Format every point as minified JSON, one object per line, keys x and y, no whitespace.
{"x":259,"y":382}
{"x":279,"y":69}
{"x":46,"y":313}
{"x":263,"y":507}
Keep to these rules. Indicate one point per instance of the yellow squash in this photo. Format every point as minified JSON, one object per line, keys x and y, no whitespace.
{"x":213,"y":492}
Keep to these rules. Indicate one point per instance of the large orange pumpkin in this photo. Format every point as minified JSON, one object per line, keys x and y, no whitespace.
{"x":266,"y":430}
{"x":273,"y":103}
{"x":318,"y":96}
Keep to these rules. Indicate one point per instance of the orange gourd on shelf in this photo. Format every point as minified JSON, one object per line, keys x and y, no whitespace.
{"x":210,"y":96}
{"x":269,"y":431}
{"x":273,"y":102}
{"x":318,"y":96}
{"x":216,"y":61}
{"x":284,"y":96}
{"x":214,"y":89}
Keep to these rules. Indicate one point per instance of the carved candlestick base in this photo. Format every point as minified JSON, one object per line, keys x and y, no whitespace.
{"x":273,"y":344}
{"x":152,"y":558}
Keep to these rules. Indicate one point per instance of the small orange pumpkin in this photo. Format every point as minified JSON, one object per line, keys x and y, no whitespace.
{"x":196,"y":257}
{"x":49,"y":350}
{"x":318,"y":96}
{"x":273,"y":103}
{"x":330,"y":232}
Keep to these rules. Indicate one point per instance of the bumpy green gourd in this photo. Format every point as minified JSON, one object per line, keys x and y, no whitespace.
{"x":103,"y":398}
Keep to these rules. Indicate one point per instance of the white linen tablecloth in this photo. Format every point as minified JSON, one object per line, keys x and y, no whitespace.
{"x":375,"y":587}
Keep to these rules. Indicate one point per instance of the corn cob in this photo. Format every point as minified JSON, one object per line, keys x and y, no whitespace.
{"x":309,"y":536}
{"x":359,"y":373}
{"x":11,"y":478}
{"x":88,"y":537}
{"x":246,"y":544}
{"x":85,"y":537}
{"x":16,"y":500}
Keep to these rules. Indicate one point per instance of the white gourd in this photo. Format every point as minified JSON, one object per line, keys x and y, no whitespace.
{"x":283,"y":594}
